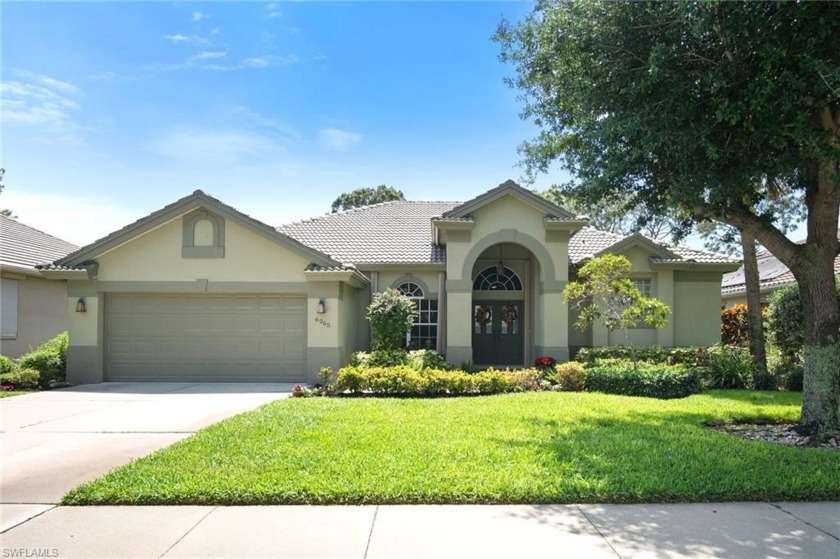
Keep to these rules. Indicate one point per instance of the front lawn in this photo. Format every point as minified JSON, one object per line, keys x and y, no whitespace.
{"x":515,"y":448}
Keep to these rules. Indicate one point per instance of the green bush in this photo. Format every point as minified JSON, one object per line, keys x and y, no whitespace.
{"x":421,"y":359}
{"x":727,"y":367}
{"x":21,"y":378}
{"x":49,"y":359}
{"x":7,"y":365}
{"x":652,"y":354}
{"x":570,"y":376}
{"x":391,"y":315}
{"x":379,"y":358}
{"x":787,"y":319}
{"x":406,"y":381}
{"x":655,"y":381}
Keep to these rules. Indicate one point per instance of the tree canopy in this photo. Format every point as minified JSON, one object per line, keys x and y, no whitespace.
{"x":366,"y":196}
{"x":703,"y":108}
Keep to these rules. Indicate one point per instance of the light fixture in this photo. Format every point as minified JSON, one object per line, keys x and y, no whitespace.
{"x":322,"y":307}
{"x":500,"y":266}
{"x":80,"y":305}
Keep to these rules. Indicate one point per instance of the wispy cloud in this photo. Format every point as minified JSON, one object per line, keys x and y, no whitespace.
{"x":271,"y":10}
{"x":255,"y":121}
{"x":255,"y":63}
{"x":198,"y":16}
{"x":42,"y":102}
{"x":230,"y":146}
{"x":102,"y":76}
{"x":336,"y":138}
{"x":187,"y":39}
{"x":209,"y":55}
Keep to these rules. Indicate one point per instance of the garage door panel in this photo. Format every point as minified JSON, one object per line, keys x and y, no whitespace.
{"x":206,"y":337}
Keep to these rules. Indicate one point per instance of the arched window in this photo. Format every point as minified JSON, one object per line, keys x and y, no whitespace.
{"x":423,"y":334}
{"x":489,"y":279}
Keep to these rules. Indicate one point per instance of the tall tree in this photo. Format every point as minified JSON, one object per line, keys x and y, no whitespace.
{"x":693,"y":106}
{"x":366,"y":196}
{"x":6,"y":212}
{"x":623,"y":215}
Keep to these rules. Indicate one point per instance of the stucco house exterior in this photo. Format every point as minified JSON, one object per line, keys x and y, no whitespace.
{"x":200,"y":291}
{"x":33,"y":309}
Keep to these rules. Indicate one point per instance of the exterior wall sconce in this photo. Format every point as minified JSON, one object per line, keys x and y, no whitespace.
{"x":322,"y":307}
{"x":80,"y":305}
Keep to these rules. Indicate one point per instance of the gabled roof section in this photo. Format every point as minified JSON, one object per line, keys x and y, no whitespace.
{"x":638,"y":240}
{"x":510,"y":188}
{"x":386,"y":233}
{"x":24,"y":247}
{"x":196,"y":200}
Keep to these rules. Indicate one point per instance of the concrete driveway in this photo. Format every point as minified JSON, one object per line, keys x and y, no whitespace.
{"x":53,"y":441}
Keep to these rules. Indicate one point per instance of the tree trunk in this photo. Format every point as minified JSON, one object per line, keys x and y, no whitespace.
{"x":755,"y":322}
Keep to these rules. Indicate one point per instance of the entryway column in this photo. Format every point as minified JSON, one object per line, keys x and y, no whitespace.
{"x":441,"y":310}
{"x":458,"y":325}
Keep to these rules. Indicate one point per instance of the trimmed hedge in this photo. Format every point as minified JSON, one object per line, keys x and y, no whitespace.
{"x":418,"y":359}
{"x":406,"y":381}
{"x":653,"y":354}
{"x":7,"y":365}
{"x":570,"y":376}
{"x":21,"y":378}
{"x":655,"y":381}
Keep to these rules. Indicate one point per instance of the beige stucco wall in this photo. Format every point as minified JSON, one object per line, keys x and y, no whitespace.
{"x":732,"y":300}
{"x":696,"y":308}
{"x":427,"y":279}
{"x":42,"y":313}
{"x":156,"y":256}
{"x":512,"y":223}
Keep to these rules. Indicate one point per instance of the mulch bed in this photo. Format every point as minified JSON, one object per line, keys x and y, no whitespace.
{"x":783,"y":433}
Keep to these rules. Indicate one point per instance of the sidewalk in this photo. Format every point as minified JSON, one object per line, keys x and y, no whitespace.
{"x":732,"y":530}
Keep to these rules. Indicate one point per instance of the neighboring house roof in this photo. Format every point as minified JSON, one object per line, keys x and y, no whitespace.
{"x":24,"y":247}
{"x":772,"y":275}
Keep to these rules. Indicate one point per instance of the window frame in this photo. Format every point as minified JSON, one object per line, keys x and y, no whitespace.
{"x":427,"y":307}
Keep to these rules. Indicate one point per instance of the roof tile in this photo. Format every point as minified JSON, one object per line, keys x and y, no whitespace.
{"x":24,"y":246}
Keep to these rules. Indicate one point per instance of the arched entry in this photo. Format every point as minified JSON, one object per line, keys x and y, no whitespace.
{"x":498,"y":313}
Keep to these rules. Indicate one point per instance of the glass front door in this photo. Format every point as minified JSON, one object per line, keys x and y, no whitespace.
{"x":497,"y":333}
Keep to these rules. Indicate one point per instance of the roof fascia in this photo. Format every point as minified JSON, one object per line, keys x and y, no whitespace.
{"x":689,"y":265}
{"x":638,"y":240}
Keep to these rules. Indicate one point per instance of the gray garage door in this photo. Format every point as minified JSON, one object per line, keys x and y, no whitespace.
{"x":221,"y":338}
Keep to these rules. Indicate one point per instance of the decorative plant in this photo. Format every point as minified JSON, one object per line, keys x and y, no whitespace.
{"x":605,"y":292}
{"x":391,"y":315}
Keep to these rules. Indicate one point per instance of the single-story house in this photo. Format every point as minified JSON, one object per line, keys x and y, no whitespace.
{"x":772,"y":275}
{"x":33,"y":308}
{"x":200,"y":291}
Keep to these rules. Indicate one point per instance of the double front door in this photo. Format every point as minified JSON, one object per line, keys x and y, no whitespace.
{"x":497,"y":333}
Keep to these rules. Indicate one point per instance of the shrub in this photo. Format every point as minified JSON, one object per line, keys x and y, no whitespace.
{"x":405,"y":381}
{"x":734,"y":326}
{"x":653,"y":354}
{"x":379,"y":358}
{"x":656,"y":381}
{"x":391,"y":315}
{"x":786,"y":320}
{"x":21,"y":378}
{"x":421,"y":359}
{"x":570,"y":376}
{"x":7,"y":365}
{"x":49,"y":359}
{"x":728,"y":367}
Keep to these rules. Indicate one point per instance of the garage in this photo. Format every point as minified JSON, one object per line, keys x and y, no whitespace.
{"x":206,"y":337}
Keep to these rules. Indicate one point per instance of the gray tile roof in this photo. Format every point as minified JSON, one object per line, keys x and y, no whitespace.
{"x":24,"y":247}
{"x":772,"y":274}
{"x":398,"y":232}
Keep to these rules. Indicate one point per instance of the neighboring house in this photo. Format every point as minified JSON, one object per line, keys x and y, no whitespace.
{"x":772,"y":275}
{"x":199,"y":291}
{"x":32,"y":308}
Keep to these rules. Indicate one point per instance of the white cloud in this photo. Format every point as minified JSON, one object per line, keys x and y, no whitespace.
{"x":68,"y":217}
{"x":253,"y":120}
{"x":209,"y":55}
{"x":43,"y":103}
{"x":271,"y":10}
{"x":227,"y":146}
{"x":102,"y":76}
{"x":198,"y":16}
{"x":176,"y":38}
{"x":187,"y":39}
{"x":335,"y":138}
{"x":255,"y":62}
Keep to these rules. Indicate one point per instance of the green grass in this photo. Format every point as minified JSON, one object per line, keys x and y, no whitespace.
{"x":10,"y":393}
{"x":515,"y":448}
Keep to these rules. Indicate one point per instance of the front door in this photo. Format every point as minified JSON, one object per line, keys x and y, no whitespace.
{"x":497,"y":333}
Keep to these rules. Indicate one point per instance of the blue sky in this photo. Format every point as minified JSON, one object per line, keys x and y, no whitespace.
{"x":112,"y":110}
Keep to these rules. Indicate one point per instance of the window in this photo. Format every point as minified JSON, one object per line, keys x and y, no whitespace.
{"x":643,"y":285}
{"x":423,"y":334}
{"x":9,"y":308}
{"x":489,"y":279}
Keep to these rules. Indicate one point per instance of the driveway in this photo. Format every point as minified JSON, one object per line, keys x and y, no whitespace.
{"x":53,"y":441}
